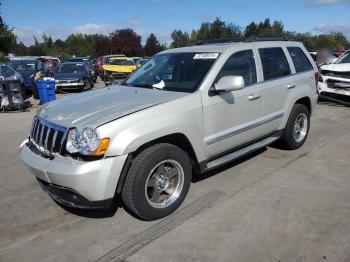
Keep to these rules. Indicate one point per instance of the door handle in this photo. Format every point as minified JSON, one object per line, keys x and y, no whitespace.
{"x":254,"y":97}
{"x":291,"y":85}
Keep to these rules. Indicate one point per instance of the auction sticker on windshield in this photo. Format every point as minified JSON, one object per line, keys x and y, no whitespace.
{"x":206,"y":56}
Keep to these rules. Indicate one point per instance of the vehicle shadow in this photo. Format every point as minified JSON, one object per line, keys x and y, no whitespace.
{"x":95,"y":213}
{"x":196,"y":177}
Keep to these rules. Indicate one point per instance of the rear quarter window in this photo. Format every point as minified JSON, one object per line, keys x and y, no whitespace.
{"x":300,"y":60}
{"x":274,"y":63}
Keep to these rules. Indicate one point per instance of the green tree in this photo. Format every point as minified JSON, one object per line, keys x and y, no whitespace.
{"x":217,"y":30}
{"x":7,"y":38}
{"x":126,"y":41}
{"x":152,"y":46}
{"x":179,"y":38}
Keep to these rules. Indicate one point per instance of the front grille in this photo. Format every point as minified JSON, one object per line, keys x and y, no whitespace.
{"x":336,"y":74}
{"x":47,"y":137}
{"x":336,"y":84}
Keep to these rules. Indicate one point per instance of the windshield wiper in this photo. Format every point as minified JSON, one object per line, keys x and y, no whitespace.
{"x":139,"y":85}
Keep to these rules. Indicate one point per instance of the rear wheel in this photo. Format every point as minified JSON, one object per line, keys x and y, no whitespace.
{"x":158,"y":181}
{"x":297,"y":127}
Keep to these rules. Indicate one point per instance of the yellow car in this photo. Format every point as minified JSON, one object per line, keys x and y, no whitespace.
{"x":118,"y":67}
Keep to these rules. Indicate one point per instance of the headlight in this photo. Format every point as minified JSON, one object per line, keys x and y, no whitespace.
{"x":31,"y":76}
{"x":86,"y":142}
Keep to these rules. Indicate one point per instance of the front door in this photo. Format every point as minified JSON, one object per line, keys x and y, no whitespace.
{"x":231,"y":118}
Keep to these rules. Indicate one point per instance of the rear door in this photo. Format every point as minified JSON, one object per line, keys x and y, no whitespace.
{"x":278,"y":81}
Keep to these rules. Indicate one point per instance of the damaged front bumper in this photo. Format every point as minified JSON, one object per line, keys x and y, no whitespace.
{"x":334,"y":85}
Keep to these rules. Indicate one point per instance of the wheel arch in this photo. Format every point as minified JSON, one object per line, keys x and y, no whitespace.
{"x":306,"y":101}
{"x":176,"y":139}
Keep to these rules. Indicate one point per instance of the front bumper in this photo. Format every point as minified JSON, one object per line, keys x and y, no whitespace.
{"x":73,"y":182}
{"x":69,"y":85}
{"x":343,"y":87}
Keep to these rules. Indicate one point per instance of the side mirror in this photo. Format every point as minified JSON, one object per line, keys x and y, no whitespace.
{"x":229,"y":83}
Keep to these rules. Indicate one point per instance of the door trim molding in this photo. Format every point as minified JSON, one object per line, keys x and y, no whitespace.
{"x":243,"y":129}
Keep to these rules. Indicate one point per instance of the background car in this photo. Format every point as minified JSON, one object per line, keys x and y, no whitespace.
{"x":28,"y":67}
{"x":118,"y":67}
{"x":104,"y":60}
{"x":335,"y":78}
{"x":88,"y":63}
{"x":73,"y":75}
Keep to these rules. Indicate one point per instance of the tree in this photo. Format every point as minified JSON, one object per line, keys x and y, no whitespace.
{"x":217,"y":30}
{"x":251,"y":30}
{"x":7,"y":38}
{"x":152,"y":46}
{"x":103,"y":45}
{"x":126,"y":41}
{"x":180,"y":39}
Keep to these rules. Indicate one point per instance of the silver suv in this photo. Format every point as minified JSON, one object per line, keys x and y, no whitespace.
{"x":185,"y":111}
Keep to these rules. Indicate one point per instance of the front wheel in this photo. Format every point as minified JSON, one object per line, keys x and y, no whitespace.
{"x":297,"y":127}
{"x":157,"y":182}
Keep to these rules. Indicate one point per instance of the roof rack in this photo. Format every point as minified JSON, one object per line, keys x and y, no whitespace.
{"x":260,"y":39}
{"x":215,"y":41}
{"x":231,"y":40}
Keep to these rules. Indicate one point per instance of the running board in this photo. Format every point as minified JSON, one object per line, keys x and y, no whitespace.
{"x":241,"y":152}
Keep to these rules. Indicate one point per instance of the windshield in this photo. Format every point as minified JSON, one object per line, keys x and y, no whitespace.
{"x":23,"y":65}
{"x":344,"y":58}
{"x":71,"y":68}
{"x":182,"y":72}
{"x":122,"y":62}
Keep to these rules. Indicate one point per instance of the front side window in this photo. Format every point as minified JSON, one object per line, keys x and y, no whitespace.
{"x":180,"y":72}
{"x":240,"y":64}
{"x":274,"y":63}
{"x":301,"y":62}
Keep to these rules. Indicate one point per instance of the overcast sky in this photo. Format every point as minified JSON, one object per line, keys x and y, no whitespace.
{"x":61,"y":18}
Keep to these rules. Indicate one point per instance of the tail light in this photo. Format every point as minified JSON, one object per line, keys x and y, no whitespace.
{"x":317,"y":78}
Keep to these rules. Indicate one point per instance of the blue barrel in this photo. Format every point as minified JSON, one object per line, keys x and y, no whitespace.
{"x":46,"y":90}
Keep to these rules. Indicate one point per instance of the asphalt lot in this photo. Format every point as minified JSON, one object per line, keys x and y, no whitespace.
{"x":272,"y":206}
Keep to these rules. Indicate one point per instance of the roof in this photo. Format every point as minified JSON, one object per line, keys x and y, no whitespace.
{"x":24,"y":58}
{"x":120,"y":58}
{"x":73,"y":63}
{"x":120,"y":55}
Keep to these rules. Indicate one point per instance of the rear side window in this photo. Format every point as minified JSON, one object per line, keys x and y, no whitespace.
{"x":241,"y":64}
{"x":301,"y":62}
{"x":274,"y":63}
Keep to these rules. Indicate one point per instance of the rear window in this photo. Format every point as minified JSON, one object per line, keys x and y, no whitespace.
{"x":274,"y":63}
{"x":301,"y":62}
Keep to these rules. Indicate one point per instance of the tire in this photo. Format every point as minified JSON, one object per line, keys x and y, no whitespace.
{"x":290,"y":138}
{"x":144,"y":180}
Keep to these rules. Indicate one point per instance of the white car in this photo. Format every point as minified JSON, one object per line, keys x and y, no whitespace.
{"x":186,"y":110}
{"x":335,"y":78}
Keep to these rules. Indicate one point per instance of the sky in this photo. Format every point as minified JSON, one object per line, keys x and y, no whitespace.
{"x":58,"y":19}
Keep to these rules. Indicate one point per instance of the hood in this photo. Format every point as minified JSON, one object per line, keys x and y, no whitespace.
{"x":119,"y":68}
{"x":94,"y":108}
{"x":68,"y":76}
{"x":337,"y":67}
